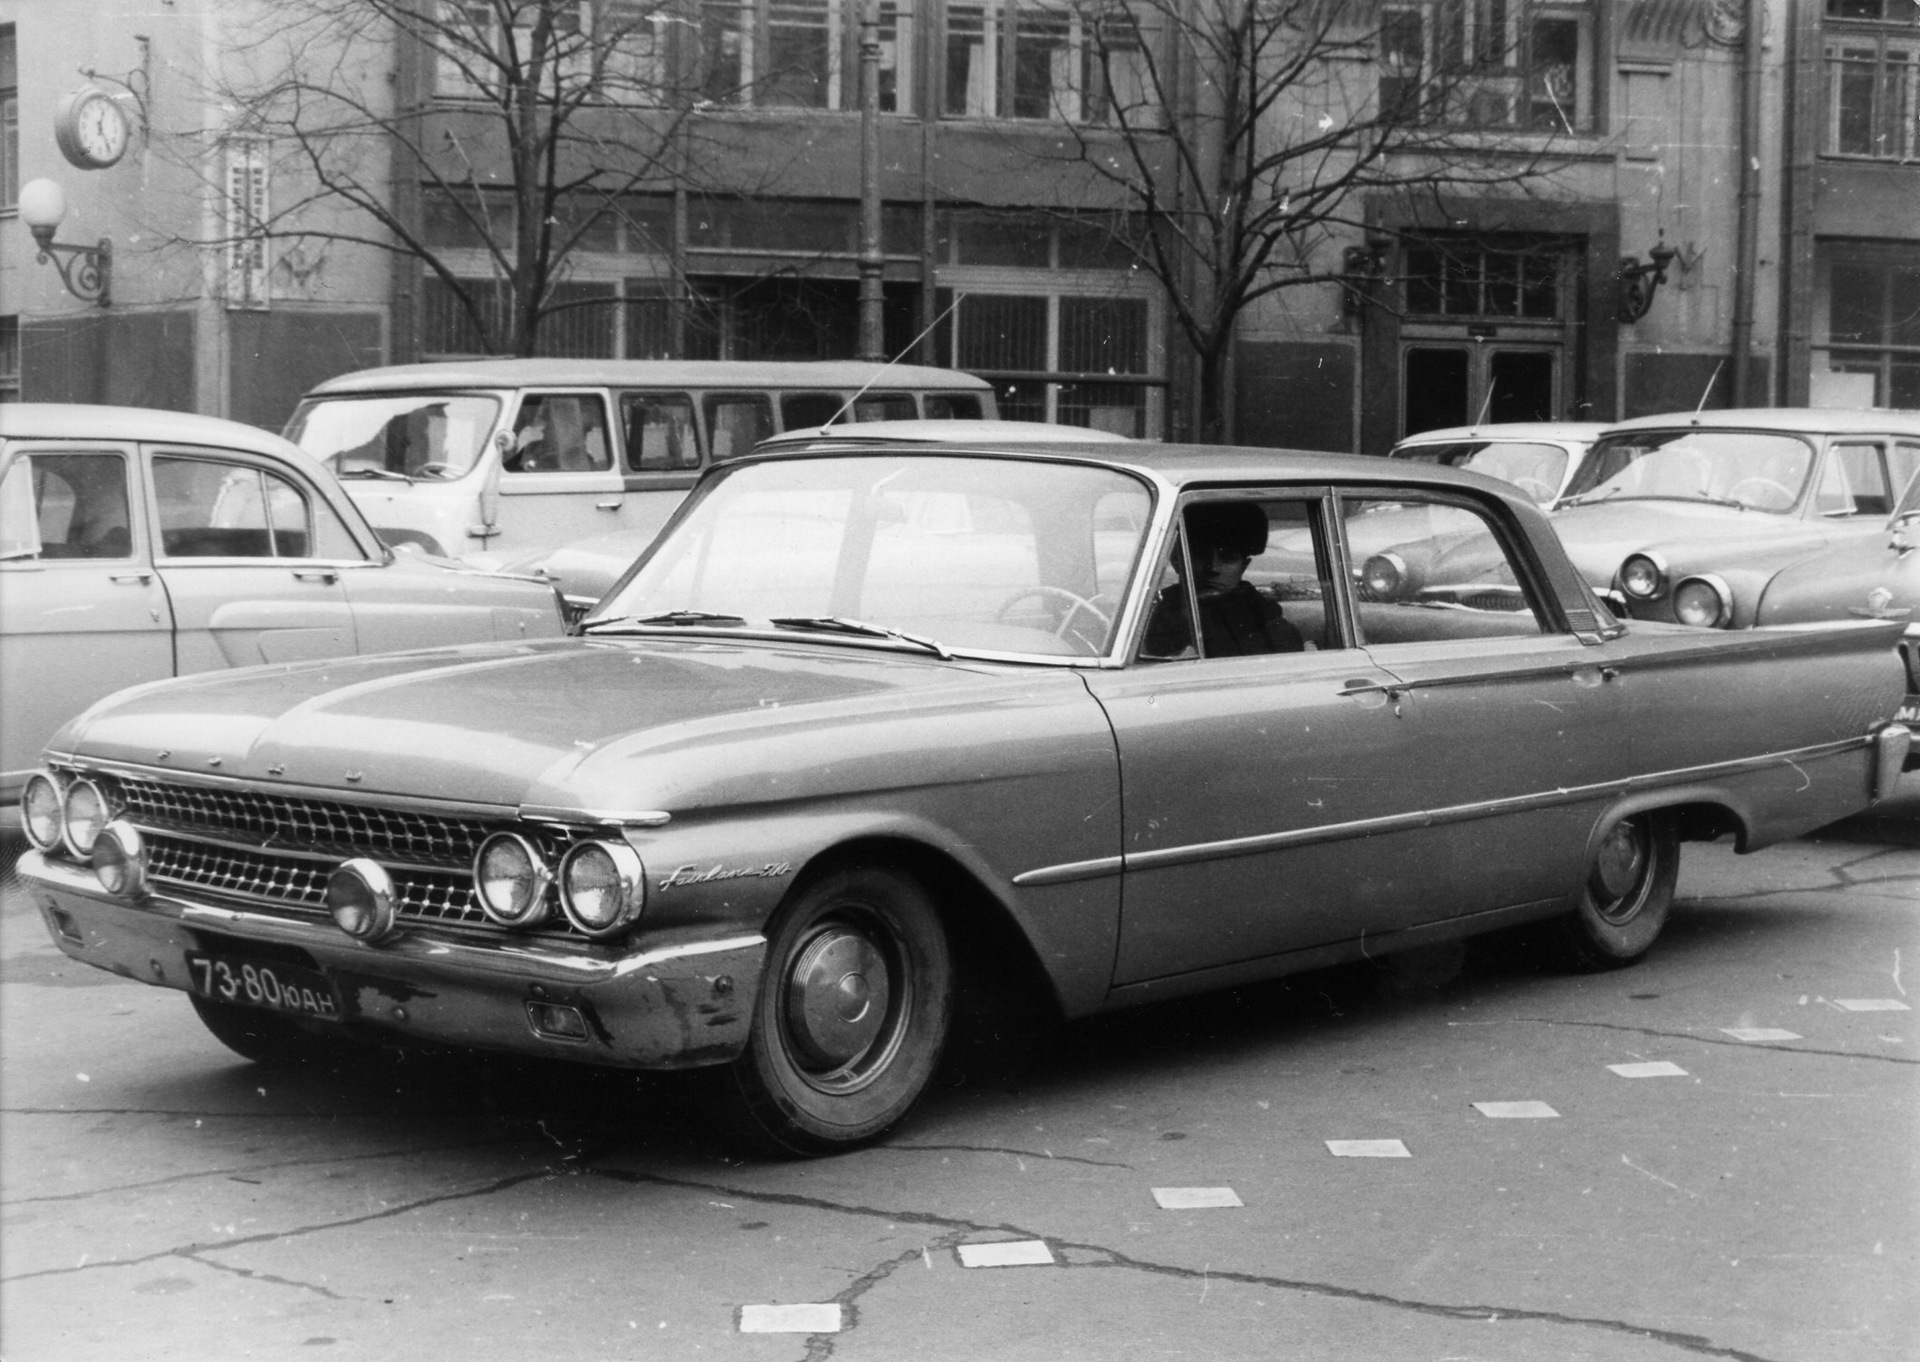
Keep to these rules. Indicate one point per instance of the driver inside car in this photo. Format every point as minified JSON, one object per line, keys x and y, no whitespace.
{"x":1235,"y":618}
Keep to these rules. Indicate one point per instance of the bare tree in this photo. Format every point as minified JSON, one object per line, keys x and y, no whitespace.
{"x":1246,"y":137}
{"x":524,"y":124}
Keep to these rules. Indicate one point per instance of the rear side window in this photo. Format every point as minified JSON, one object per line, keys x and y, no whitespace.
{"x":1856,"y":483}
{"x":953,"y":407}
{"x":1432,"y":570}
{"x":736,"y":422}
{"x":885,"y":407}
{"x":560,"y":433}
{"x":65,"y":506}
{"x":211,"y":509}
{"x":659,"y":430}
{"x":800,"y":410}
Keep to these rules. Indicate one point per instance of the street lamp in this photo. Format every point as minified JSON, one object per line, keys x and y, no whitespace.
{"x":85,"y":271}
{"x":1639,"y":282}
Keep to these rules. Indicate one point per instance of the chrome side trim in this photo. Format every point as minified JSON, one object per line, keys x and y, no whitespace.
{"x":1196,"y":852}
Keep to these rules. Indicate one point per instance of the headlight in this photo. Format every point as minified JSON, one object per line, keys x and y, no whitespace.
{"x":1642,"y":576}
{"x":85,"y":812}
{"x":40,"y":811}
{"x":360,"y":897}
{"x":602,"y":886}
{"x":120,"y":860}
{"x":511,"y":880}
{"x":1703,"y":601}
{"x":1383,"y":574}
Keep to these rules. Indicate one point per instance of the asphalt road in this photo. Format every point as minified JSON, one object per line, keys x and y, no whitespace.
{"x":159,"y":1198}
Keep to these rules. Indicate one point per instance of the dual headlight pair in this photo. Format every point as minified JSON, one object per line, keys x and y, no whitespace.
{"x":79,"y":817}
{"x":1704,"y":601}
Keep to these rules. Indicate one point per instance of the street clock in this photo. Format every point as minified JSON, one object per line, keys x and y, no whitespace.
{"x":91,"y":128}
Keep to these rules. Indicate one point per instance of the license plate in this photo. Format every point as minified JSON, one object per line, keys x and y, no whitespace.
{"x":276,"y":987}
{"x":1909,"y":713}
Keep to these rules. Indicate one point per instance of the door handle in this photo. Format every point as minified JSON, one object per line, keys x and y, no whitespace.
{"x":613,"y":505}
{"x":326,"y":576}
{"x":1365,"y":687}
{"x":142,"y":577}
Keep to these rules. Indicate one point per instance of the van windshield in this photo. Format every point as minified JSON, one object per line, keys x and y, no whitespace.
{"x":408,"y":435}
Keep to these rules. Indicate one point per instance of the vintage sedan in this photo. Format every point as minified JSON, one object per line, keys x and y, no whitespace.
{"x":1086,"y":723}
{"x":1663,"y":496}
{"x":1541,"y":458}
{"x":141,"y":544}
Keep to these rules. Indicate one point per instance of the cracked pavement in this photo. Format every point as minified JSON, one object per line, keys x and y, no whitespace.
{"x":159,"y":1198}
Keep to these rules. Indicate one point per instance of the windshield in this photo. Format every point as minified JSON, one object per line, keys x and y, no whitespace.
{"x":1534,"y":468}
{"x":1753,"y":469}
{"x":983,"y":554}
{"x":412,"y":435}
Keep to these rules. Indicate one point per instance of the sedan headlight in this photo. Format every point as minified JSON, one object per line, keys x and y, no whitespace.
{"x":1383,"y":575}
{"x":1642,"y":576}
{"x":1705,"y":601}
{"x":120,"y":860}
{"x":84,"y":812}
{"x":40,"y":804}
{"x":511,"y":879}
{"x":602,"y":886}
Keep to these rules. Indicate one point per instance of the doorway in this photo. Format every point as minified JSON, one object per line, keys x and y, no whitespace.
{"x":1477,"y":382}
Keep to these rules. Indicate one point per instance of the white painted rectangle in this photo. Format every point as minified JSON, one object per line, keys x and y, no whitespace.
{"x":822,"y":1318}
{"x":1195,"y":1198}
{"x":1872,"y":1004}
{"x":1651,"y":1068}
{"x":1759,"y":1033}
{"x":1012,"y":1253}
{"x":1516,"y":1111}
{"x":1368,"y":1149}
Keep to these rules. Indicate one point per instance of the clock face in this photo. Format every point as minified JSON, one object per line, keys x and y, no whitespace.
{"x":91,"y":129}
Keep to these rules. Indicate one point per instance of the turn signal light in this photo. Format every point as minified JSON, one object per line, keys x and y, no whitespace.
{"x":120,"y":860}
{"x":360,"y":897}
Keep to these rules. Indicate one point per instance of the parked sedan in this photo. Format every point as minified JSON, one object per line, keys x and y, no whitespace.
{"x":864,"y":719}
{"x":143,"y":544}
{"x":1665,"y":496}
{"x":1541,"y":458}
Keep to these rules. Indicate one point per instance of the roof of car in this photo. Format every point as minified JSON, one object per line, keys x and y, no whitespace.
{"x":494,"y":373}
{"x":84,"y":421}
{"x":1182,"y":465}
{"x":1584,"y":431}
{"x":1838,"y":420}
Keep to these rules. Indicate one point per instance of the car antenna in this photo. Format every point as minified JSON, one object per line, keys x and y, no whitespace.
{"x":1485,"y":403}
{"x":1707,"y":391}
{"x":905,"y":351}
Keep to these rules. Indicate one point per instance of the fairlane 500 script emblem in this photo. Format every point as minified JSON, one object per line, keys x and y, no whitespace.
{"x":693,"y":874}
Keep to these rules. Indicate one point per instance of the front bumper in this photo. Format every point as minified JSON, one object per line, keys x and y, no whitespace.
{"x":672,"y":1005}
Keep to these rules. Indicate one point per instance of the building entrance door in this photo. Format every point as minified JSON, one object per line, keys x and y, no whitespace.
{"x":1458,"y":383}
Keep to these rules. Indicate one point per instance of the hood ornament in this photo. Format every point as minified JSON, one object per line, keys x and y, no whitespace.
{"x":1880,"y":607}
{"x":355,"y":777}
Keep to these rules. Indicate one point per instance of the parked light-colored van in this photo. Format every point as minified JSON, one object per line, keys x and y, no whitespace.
{"x":489,"y":459}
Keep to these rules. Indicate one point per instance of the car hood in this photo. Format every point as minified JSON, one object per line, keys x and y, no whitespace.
{"x":1687,"y":534}
{"x":1861,"y":579}
{"x":560,"y":723}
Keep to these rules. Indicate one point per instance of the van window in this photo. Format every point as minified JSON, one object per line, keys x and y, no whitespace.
{"x":560,"y":433}
{"x":659,"y":431}
{"x":953,"y":407}
{"x":423,"y":435}
{"x":736,"y":422}
{"x":886,"y":407}
{"x":800,"y":410}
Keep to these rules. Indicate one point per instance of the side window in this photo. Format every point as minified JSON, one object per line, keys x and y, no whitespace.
{"x":1865,"y":490}
{"x":800,"y":410}
{"x":1904,"y":463}
{"x":1431,"y":570}
{"x":65,"y":506}
{"x":1254,"y":573}
{"x":953,"y":407}
{"x":559,"y":433}
{"x":885,"y":407}
{"x":329,"y":538}
{"x":737,"y":422}
{"x":211,"y":509}
{"x":659,"y":432}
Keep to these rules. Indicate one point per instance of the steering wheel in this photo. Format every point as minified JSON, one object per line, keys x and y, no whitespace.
{"x":1534,"y":488}
{"x":1074,"y":606}
{"x":1765,"y":485}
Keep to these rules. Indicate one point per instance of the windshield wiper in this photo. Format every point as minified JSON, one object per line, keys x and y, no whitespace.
{"x":671,"y":619}
{"x":1598,"y":494}
{"x":839,"y":624}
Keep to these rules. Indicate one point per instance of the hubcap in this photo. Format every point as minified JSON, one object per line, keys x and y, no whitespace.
{"x":837,"y":995}
{"x":1621,"y":862}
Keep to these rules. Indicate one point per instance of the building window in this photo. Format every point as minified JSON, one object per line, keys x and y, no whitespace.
{"x":1042,"y":59}
{"x":1469,"y":279}
{"x":9,"y":120}
{"x":9,"y":359}
{"x":1513,"y":64}
{"x":581,"y":322}
{"x":1051,"y":315}
{"x":801,"y":54}
{"x":1867,"y":351}
{"x":612,"y":50}
{"x":1873,"y":79}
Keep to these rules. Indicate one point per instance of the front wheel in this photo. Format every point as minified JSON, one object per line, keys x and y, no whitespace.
{"x":1627,"y":893}
{"x":851,"y":1017}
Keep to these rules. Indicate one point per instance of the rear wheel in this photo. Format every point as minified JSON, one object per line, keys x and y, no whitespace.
{"x":1627,"y":893}
{"x":264,"y":1037}
{"x":852,"y":1014}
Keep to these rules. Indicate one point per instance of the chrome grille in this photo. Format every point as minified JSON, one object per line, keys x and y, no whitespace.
{"x":317,"y":824}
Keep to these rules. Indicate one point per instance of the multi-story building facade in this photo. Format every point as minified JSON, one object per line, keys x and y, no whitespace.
{"x":1770,"y":145}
